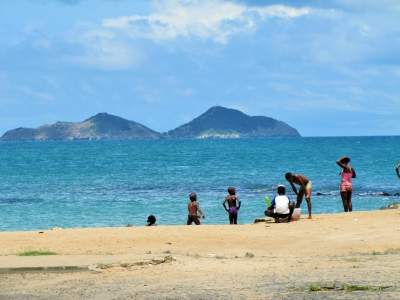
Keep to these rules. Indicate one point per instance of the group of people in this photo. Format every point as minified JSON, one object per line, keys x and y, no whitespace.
{"x":233,"y":207}
{"x":280,"y":206}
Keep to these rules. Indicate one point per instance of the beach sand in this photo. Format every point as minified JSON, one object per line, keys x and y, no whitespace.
{"x":330,"y":254}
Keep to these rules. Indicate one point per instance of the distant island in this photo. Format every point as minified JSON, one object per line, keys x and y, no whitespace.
{"x":217,"y":122}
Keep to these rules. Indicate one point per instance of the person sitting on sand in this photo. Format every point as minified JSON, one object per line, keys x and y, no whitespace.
{"x":305,"y":188}
{"x":397,"y":170}
{"x":151,"y":220}
{"x":346,"y":187}
{"x":281,"y":206}
{"x":193,"y":207}
{"x":233,"y":210}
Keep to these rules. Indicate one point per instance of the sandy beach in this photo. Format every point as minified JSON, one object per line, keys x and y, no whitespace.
{"x":338,"y":256}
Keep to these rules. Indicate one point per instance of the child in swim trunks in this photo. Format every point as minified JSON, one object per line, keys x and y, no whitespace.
{"x":233,"y":209}
{"x":193,"y":207}
{"x":304,"y":189}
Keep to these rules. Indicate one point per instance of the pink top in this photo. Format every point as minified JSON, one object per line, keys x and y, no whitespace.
{"x":346,"y":177}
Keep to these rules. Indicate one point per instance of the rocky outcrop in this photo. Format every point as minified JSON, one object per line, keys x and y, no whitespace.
{"x":217,"y":122}
{"x":395,"y":205}
{"x":221,"y":122}
{"x":99,"y":127}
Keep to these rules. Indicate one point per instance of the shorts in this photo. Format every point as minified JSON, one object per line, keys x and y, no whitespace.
{"x":308,"y":186}
{"x":346,"y":186}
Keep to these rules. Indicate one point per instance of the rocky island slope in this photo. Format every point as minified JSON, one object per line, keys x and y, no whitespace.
{"x":217,"y":122}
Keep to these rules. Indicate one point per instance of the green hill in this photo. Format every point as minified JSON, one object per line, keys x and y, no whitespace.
{"x":221,"y":122}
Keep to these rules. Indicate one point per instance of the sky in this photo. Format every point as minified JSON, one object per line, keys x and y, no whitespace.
{"x":325,"y":67}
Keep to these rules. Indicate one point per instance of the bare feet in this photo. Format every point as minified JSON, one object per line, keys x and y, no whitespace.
{"x":309,"y":217}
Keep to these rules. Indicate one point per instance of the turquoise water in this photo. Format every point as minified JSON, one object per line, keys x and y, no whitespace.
{"x":73,"y":184}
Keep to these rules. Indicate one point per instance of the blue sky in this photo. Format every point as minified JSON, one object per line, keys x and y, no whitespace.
{"x":327,"y":68}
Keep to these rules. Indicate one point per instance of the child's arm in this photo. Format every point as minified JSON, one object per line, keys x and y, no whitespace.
{"x":239,"y":202}
{"x":397,"y":170}
{"x":201,"y":213}
{"x":223,"y":204}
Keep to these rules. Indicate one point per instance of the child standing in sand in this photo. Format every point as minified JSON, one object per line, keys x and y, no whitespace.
{"x":193,"y":207}
{"x":233,"y":210}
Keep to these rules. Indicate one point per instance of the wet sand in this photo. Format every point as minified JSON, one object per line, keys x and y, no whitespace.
{"x":329,"y":254}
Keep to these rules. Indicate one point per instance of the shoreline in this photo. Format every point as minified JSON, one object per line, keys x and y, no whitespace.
{"x":184,"y":222}
{"x":324,"y":228}
{"x":261,"y":260}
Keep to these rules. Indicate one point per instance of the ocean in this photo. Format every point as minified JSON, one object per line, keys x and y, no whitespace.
{"x":78,"y":184}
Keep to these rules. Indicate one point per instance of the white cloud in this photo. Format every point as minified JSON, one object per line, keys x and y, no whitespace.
{"x":105,"y":51}
{"x":205,"y":19}
{"x":40,"y":95}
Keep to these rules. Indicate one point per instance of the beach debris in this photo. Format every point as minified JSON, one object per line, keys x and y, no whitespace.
{"x":127,"y":264}
{"x":259,"y":220}
{"x":56,"y":228}
{"x":395,"y":205}
{"x":40,"y":231}
{"x":129,"y":225}
{"x":212,"y":255}
{"x":167,"y":252}
{"x":355,"y":219}
{"x":220,"y":257}
{"x":169,"y":243}
{"x":148,"y":252}
{"x":249,"y":255}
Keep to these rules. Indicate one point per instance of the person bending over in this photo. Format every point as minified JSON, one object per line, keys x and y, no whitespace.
{"x":304,"y":189}
{"x":281,"y":206}
{"x":233,"y":209}
{"x":193,"y":207}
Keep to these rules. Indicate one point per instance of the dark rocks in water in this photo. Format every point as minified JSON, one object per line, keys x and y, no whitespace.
{"x":382,"y":194}
{"x":395,"y":205}
{"x":321,"y":194}
{"x":396,"y":194}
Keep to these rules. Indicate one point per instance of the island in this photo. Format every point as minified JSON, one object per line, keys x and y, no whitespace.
{"x":217,"y":122}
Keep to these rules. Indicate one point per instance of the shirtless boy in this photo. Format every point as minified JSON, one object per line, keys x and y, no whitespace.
{"x":305,"y":188}
{"x":193,"y":207}
{"x":233,"y":210}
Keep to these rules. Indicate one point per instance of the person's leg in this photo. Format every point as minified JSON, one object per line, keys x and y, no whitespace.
{"x":268,"y":213}
{"x":345,"y":201}
{"x":308,"y":196}
{"x":235,"y":216}
{"x":349,"y":201}
{"x":189,"y":222}
{"x":271,"y":214}
{"x":230,"y":218}
{"x":299,"y":198}
{"x":291,"y":209}
{"x":197,"y":221}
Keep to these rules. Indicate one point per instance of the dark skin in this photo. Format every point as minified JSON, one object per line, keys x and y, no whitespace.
{"x":302,"y":181}
{"x":343,"y":162}
{"x":397,"y":170}
{"x":193,"y":208}
{"x":231,"y":199}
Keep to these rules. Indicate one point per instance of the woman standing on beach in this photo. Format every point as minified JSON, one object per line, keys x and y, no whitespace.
{"x":346,"y":187}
